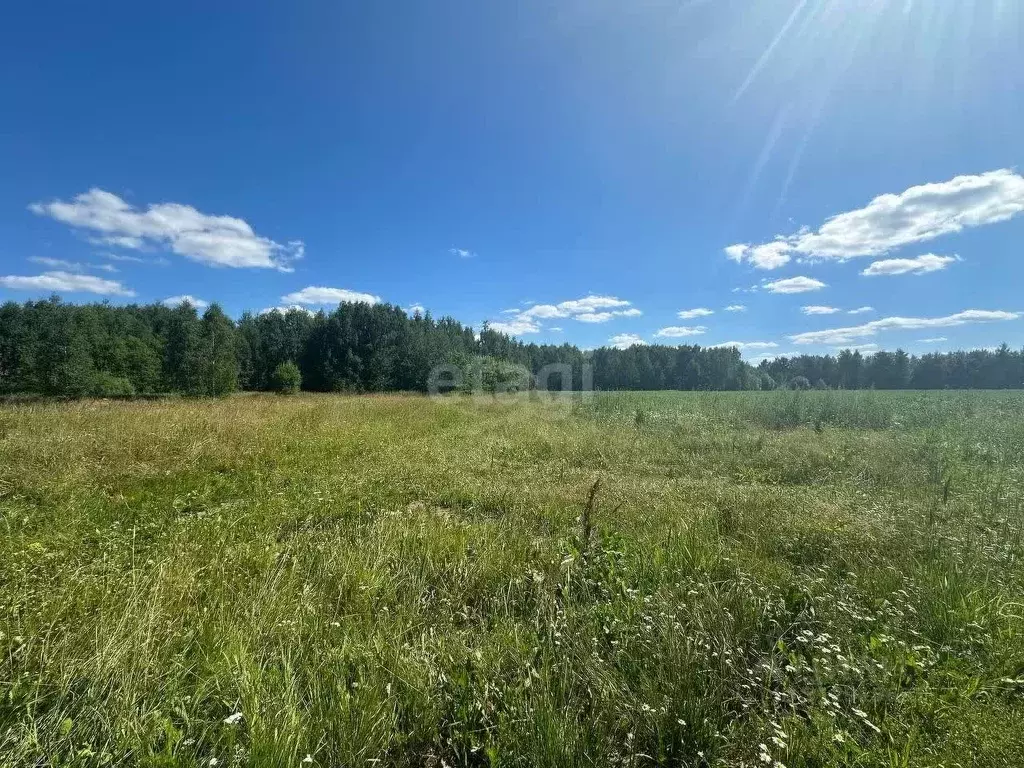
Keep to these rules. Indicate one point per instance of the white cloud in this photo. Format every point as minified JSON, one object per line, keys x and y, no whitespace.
{"x":543,"y":311}
{"x":46,"y":261}
{"x":314,"y":294}
{"x":920,"y":265}
{"x":679,"y":331}
{"x":603,"y":317}
{"x":65,"y":282}
{"x":794,"y":285}
{"x":850,"y":334}
{"x":689,"y":314}
{"x":412,"y":309}
{"x":121,"y":241}
{"x":159,"y":261}
{"x":625,"y":340}
{"x":555,"y":329}
{"x":767,"y":256}
{"x":588,"y":305}
{"x":462,"y":253}
{"x":222,"y":241}
{"x":736,"y":308}
{"x":817,"y":309}
{"x":70,"y":266}
{"x":933,"y":340}
{"x":736,"y":252}
{"x":860,"y":310}
{"x":515,"y":327}
{"x":745,"y":345}
{"x":891,"y":221}
{"x":176,"y":301}
{"x":594,"y":317}
{"x":589,"y":309}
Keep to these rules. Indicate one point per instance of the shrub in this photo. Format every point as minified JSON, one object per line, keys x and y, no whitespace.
{"x":504,"y":376}
{"x":287,"y":379}
{"x":493,"y":375}
{"x":105,"y":384}
{"x":799,"y":382}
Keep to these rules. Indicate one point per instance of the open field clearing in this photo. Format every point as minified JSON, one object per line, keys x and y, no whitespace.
{"x":794,"y":578}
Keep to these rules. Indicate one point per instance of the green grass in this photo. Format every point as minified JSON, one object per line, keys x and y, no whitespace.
{"x":400,"y":581}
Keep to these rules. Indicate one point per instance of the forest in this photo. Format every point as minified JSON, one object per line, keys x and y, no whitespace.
{"x":54,"y":348}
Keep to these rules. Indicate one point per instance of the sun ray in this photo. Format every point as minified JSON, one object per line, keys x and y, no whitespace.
{"x":769,"y":50}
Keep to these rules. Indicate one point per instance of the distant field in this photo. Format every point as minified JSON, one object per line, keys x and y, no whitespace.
{"x":796,"y":578}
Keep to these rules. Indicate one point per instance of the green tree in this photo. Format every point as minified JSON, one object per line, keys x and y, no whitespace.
{"x":219,"y":366}
{"x":287,"y":379}
{"x":64,"y":363}
{"x":850,"y":365}
{"x":183,"y":352}
{"x":16,"y":349}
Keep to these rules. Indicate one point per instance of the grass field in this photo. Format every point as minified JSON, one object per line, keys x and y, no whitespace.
{"x":806,"y":579}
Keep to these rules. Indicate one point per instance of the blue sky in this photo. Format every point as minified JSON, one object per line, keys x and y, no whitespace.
{"x":581,"y":170}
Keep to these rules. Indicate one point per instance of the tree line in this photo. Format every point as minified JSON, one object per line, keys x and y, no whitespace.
{"x":1000,"y":368}
{"x":54,"y":348}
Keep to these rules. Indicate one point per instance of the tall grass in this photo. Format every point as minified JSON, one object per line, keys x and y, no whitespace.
{"x":811,"y":579}
{"x":785,"y":409}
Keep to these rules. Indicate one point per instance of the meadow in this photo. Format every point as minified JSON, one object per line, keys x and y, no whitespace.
{"x":625,"y":579}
